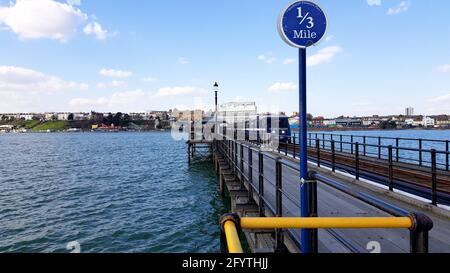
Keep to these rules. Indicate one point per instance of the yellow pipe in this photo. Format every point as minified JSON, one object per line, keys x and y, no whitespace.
{"x":233,"y":241}
{"x":319,"y":223}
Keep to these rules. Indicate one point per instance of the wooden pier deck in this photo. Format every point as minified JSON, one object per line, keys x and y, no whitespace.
{"x":251,"y":185}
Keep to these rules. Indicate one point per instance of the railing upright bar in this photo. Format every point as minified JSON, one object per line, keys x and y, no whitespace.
{"x":333,"y":155}
{"x":250,"y":174}
{"x":295,"y":146}
{"x":261,"y":183}
{"x":434,"y":177}
{"x":447,"y":157}
{"x":364,"y":147}
{"x":379,"y":147}
{"x":420,"y":152}
{"x":351,"y":141}
{"x":397,"y":149}
{"x":391,"y":168}
{"x":279,"y":204}
{"x":357,"y":160}
{"x":318,"y":152}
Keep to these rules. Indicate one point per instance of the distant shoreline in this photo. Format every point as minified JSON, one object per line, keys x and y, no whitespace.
{"x":370,"y":129}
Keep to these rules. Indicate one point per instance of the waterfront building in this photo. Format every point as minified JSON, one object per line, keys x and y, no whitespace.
{"x":409,"y":112}
{"x":428,"y":122}
{"x":443,"y":121}
{"x":318,"y":122}
{"x":349,"y":122}
{"x":63,"y":116}
{"x":329,"y":122}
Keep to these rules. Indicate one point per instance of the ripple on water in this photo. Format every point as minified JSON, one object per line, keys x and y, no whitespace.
{"x":127,"y":192}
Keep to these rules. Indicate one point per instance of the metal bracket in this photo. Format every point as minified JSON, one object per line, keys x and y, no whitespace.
{"x":303,"y":182}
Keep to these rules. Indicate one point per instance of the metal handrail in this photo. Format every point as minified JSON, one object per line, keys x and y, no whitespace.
{"x":418,"y":224}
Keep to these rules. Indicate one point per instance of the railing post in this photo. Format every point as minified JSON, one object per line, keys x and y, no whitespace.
{"x":250,"y":174}
{"x":261,"y":184}
{"x":318,"y":152}
{"x":397,"y":151}
{"x":351,"y":141}
{"x":236,"y":166}
{"x":357,"y":160}
{"x":364,"y":147}
{"x":241,"y":166}
{"x":420,"y":152}
{"x":285,"y":147}
{"x":447,"y":157}
{"x":279,"y":205}
{"x":434,"y":177}
{"x":422,"y":224}
{"x":341,"y":140}
{"x":391,"y":168}
{"x":333,"y":155}
{"x":295,"y":146}
{"x":323,"y":141}
{"x":379,"y":147}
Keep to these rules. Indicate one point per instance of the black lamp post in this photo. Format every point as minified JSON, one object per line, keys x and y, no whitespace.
{"x":216,"y":91}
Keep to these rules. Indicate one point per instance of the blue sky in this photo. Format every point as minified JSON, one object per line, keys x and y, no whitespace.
{"x":380,"y":56}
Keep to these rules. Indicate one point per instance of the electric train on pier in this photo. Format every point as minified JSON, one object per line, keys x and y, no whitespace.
{"x":264,"y":127}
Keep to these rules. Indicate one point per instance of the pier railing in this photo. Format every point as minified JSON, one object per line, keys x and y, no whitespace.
{"x":381,"y":164}
{"x":405,"y":150}
{"x":276,"y":190}
{"x":418,"y":224}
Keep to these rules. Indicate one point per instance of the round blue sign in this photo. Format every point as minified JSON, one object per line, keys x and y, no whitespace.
{"x":302,"y":24}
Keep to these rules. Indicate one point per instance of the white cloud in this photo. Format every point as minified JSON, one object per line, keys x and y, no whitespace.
{"x":324,"y":55}
{"x":112,"y":84}
{"x":288,"y":61}
{"x":438,"y":105}
{"x":100,"y":85}
{"x":115,"y":73}
{"x":34,"y":19}
{"x":444,"y":68}
{"x":18,"y":79}
{"x":443,"y":98}
{"x":183,"y":60}
{"x":267,"y":59}
{"x":117,"y":83}
{"x":149,"y":79}
{"x":374,"y":2}
{"x":282,"y":86}
{"x":120,"y":100}
{"x":97,"y":30}
{"x":329,"y":38}
{"x":402,"y":7}
{"x":74,"y":2}
{"x":178,"y":91}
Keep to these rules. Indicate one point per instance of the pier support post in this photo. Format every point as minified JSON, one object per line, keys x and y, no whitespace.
{"x":189,"y":154}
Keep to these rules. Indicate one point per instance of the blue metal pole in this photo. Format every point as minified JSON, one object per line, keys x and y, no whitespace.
{"x":304,"y":198}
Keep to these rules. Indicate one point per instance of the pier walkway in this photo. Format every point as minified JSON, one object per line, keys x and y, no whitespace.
{"x":266,"y":183}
